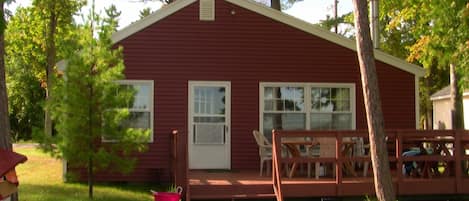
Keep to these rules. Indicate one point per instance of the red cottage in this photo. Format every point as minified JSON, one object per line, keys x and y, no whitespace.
{"x":217,"y":69}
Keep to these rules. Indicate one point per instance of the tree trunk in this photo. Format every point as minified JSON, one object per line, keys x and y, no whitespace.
{"x":455,"y":100}
{"x":428,"y":123}
{"x":5,"y":139}
{"x":50,"y":54}
{"x":275,"y":4}
{"x":374,"y":115}
{"x":4,"y":121}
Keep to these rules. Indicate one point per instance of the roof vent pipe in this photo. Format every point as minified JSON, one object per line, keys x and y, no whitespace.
{"x":375,"y":23}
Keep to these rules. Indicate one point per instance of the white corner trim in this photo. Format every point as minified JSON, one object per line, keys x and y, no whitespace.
{"x":165,"y":11}
{"x":417,"y":103}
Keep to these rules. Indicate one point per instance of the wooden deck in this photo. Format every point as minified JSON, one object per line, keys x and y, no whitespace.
{"x":239,"y":185}
{"x":452,"y":179}
{"x":233,"y":185}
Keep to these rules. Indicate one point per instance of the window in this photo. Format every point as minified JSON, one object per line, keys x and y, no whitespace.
{"x":140,"y":107}
{"x":306,"y":106}
{"x":330,"y":108}
{"x":284,"y":108}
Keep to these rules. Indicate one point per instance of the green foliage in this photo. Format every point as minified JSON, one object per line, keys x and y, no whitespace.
{"x":62,"y":10}
{"x":434,"y":34}
{"x":145,"y":12}
{"x":88,"y":104}
{"x":24,"y":68}
{"x":345,"y":20}
{"x":112,"y":17}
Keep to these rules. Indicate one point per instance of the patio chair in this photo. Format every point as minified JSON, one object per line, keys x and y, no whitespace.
{"x":265,"y":150}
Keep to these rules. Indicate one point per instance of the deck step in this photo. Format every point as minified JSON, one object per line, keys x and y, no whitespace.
{"x":233,"y":197}
{"x":237,"y":191}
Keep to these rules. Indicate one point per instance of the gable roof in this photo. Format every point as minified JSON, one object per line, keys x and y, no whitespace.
{"x":445,"y":93}
{"x":277,"y":16}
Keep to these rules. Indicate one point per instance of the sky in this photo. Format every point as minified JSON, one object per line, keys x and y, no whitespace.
{"x":308,"y":10}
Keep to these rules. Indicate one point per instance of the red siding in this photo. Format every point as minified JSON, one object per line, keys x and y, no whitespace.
{"x":245,"y":48}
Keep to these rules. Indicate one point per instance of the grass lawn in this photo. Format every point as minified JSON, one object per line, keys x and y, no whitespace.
{"x":41,"y":180}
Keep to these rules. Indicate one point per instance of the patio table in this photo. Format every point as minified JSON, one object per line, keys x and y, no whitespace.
{"x":293,"y":147}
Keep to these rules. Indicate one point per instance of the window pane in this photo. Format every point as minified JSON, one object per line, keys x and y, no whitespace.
{"x":325,"y":94}
{"x":284,"y":99}
{"x":342,"y":121}
{"x":279,"y":105}
{"x":321,"y":121}
{"x":209,"y":119}
{"x":141,"y":97}
{"x":344,"y":94}
{"x":315,"y":105}
{"x":138,"y":120}
{"x":269,"y":105}
{"x":331,"y":121}
{"x":209,"y":100}
{"x":286,"y":121}
{"x":342,"y":106}
{"x":268,"y":92}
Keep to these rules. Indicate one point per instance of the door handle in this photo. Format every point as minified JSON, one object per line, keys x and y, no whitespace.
{"x":225,"y":129}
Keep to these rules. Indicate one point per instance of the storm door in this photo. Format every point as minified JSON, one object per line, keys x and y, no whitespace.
{"x":209,"y":125}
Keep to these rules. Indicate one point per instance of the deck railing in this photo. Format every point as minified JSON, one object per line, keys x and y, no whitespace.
{"x":442,"y":159}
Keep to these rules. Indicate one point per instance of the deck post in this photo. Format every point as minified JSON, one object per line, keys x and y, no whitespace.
{"x":276,"y":158}
{"x":458,"y":151}
{"x":398,"y":156}
{"x":338,"y":162}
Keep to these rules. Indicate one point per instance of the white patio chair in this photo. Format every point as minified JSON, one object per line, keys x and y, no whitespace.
{"x":265,"y":151}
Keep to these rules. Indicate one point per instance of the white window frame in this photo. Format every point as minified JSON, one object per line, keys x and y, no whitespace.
{"x":307,"y":100}
{"x":151,"y":103}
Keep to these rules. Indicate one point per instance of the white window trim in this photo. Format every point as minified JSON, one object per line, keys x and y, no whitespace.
{"x":151,"y":108}
{"x":307,"y":85}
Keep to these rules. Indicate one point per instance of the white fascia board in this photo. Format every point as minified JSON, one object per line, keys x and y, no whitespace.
{"x":135,"y":27}
{"x":327,"y":35}
{"x":465,"y":94}
{"x":439,"y":98}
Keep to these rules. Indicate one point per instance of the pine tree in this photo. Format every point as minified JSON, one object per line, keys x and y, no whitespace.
{"x":90,"y":105}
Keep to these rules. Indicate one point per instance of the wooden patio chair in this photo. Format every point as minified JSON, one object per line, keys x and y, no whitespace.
{"x":326,"y":149}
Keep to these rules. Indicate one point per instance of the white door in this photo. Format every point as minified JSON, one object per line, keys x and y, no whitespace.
{"x":209,"y":125}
